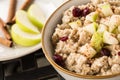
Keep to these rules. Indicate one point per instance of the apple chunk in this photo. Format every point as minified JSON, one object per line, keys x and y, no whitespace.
{"x":106,"y":9}
{"x":76,"y":24}
{"x":102,"y":28}
{"x":24,"y":23}
{"x":97,"y":41}
{"x":93,"y":16}
{"x":24,"y":39}
{"x":114,"y":22}
{"x":109,"y":38}
{"x":36,"y":16}
{"x":91,"y":28}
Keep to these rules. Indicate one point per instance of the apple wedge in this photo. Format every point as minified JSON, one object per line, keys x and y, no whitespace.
{"x":24,"y":39}
{"x":109,"y":38}
{"x":36,"y":16}
{"x":24,"y":23}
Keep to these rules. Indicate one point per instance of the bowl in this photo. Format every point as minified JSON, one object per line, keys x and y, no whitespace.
{"x":48,"y":49}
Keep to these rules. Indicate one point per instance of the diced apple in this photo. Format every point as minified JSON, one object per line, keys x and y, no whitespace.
{"x":102,"y":28}
{"x":88,"y":51}
{"x":109,"y":38}
{"x":114,"y":22}
{"x":106,"y":9}
{"x":93,"y":16}
{"x":91,"y":28}
{"x":97,"y":41}
{"x":76,"y":24}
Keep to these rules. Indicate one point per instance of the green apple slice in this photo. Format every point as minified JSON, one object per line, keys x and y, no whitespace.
{"x":24,"y":23}
{"x":93,"y":16}
{"x":102,"y":28}
{"x":106,"y":9}
{"x":24,"y":39}
{"x":109,"y":38}
{"x":91,"y":28}
{"x":36,"y":16}
{"x":97,"y":41}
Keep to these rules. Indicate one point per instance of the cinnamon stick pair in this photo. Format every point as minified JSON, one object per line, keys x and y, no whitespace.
{"x":3,"y":26}
{"x":5,"y":41}
{"x":10,"y":19}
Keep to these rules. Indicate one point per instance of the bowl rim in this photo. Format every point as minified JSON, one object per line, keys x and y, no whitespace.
{"x":59,"y":67}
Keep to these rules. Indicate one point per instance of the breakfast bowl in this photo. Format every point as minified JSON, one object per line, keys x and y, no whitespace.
{"x":95,"y":53}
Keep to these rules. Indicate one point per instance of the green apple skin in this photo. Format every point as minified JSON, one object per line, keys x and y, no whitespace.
{"x":24,"y":23}
{"x":97,"y":41}
{"x":22,"y":40}
{"x":36,"y":16}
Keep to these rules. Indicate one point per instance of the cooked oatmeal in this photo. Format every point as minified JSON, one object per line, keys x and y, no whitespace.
{"x":88,"y":39}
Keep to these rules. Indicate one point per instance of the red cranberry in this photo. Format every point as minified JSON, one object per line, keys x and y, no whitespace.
{"x":64,"y":38}
{"x":76,"y":12}
{"x":105,"y":52}
{"x":86,"y":11}
{"x":58,"y":59}
{"x":119,"y":53}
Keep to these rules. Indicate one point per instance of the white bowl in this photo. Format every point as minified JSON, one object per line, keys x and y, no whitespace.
{"x":48,"y":48}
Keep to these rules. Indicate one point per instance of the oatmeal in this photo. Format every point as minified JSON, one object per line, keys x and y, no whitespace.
{"x":87,"y":41}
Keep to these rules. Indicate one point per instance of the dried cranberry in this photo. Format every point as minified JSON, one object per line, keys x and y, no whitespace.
{"x":105,"y":52}
{"x":86,"y":11}
{"x":76,"y":12}
{"x":58,"y":59}
{"x":119,"y":53}
{"x":64,"y":38}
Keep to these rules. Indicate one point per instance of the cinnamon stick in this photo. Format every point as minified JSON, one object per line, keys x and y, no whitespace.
{"x":11,"y":11}
{"x":2,"y":22}
{"x":4,"y":30}
{"x":5,"y":42}
{"x":23,"y":7}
